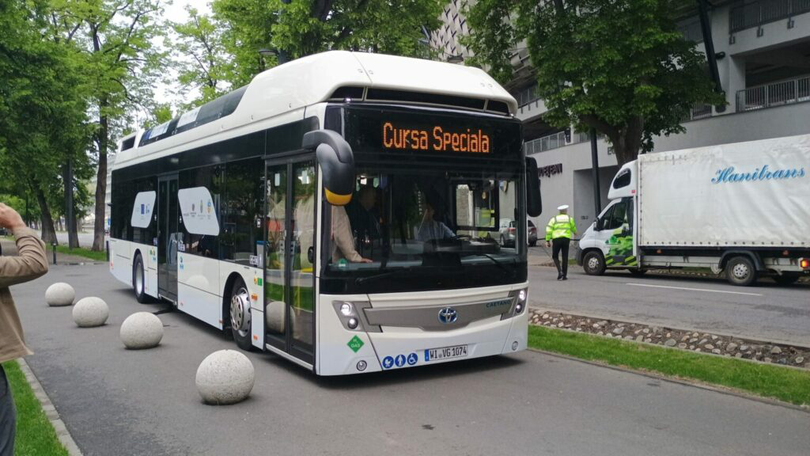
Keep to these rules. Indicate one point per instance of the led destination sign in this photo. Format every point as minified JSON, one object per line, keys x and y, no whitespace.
{"x":435,"y":138}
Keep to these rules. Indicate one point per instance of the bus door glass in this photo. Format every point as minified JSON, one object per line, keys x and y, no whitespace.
{"x":290,"y":253}
{"x":169,"y":236}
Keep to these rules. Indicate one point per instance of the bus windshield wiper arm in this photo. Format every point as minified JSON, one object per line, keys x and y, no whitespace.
{"x":362,"y":280}
{"x":498,"y":263}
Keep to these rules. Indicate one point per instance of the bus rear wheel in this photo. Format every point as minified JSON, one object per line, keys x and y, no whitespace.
{"x":240,"y":314}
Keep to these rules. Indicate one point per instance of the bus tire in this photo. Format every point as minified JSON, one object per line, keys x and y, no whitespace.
{"x":740,"y":271}
{"x":593,"y":263}
{"x":240,"y":321}
{"x":139,"y":280}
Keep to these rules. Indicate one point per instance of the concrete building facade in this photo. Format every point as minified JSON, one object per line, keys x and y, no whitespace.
{"x":763,"y":52}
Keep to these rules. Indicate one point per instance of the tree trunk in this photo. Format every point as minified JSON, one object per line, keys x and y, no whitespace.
{"x":70,"y":207}
{"x":101,"y":181}
{"x":48,"y":232}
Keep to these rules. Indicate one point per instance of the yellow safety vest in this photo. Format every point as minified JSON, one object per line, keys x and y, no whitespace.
{"x":560,"y":226}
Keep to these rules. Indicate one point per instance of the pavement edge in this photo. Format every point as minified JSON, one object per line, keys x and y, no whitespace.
{"x":50,"y":411}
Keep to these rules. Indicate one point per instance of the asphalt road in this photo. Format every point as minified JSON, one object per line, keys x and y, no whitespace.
{"x":119,"y":402}
{"x":766,"y":311}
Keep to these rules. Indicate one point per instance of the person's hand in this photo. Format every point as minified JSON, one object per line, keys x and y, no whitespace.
{"x":365,"y":260}
{"x":9,"y":218}
{"x":548,"y":244}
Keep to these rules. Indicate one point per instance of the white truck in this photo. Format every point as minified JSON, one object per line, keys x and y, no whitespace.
{"x":742,"y":208}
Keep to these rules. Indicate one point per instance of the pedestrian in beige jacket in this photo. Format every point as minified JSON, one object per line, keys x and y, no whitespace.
{"x":30,"y":264}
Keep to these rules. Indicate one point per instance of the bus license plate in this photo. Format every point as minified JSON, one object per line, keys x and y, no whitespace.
{"x":435,"y":354}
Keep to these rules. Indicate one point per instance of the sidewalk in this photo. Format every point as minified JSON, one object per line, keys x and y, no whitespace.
{"x":10,"y":249}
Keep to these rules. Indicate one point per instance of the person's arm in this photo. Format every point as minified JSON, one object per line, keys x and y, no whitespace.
{"x":31,"y":262}
{"x":549,"y":229}
{"x":447,"y":233}
{"x":342,"y":233}
{"x":573,"y":225}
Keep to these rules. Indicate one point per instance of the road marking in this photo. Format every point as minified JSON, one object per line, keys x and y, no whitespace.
{"x":707,"y":290}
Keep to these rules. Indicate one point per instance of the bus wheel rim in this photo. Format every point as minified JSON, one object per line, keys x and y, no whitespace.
{"x":240,"y":311}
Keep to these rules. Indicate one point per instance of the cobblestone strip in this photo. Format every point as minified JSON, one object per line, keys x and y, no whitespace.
{"x":50,"y":411}
{"x":684,"y":339}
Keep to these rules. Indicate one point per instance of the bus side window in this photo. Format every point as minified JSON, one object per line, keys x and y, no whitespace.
{"x":243,"y":210}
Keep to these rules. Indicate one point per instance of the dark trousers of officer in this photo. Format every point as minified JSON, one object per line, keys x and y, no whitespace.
{"x":8,"y":417}
{"x":557,"y":246}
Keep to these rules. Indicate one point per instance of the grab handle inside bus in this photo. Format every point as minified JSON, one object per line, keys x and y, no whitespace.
{"x":534,"y":202}
{"x":336,"y":159}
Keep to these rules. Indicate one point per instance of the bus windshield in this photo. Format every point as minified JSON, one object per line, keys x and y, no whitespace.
{"x":411,"y":222}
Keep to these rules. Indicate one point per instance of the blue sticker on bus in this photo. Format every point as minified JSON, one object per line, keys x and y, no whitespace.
{"x":388,"y":362}
{"x":427,"y":355}
{"x":400,"y":360}
{"x":412,"y":359}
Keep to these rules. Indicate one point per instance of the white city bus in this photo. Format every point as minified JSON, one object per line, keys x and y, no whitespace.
{"x":340,"y":211}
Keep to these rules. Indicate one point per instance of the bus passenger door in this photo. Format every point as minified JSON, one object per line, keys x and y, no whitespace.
{"x":290,"y":255}
{"x":168,"y":236}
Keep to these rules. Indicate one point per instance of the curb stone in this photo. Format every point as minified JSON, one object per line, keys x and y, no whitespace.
{"x":50,"y":411}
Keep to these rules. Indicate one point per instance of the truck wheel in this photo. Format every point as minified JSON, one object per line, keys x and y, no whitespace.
{"x":139,"y":281}
{"x":593,"y":263}
{"x":785,"y":279}
{"x":740,"y":271}
{"x":240,"y":314}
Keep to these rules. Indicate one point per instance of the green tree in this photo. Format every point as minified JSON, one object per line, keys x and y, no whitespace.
{"x":304,"y":27}
{"x":618,"y":66}
{"x":202,"y":60}
{"x":122,"y":64}
{"x":42,"y":108}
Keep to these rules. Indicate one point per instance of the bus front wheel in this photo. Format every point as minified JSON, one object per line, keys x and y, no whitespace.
{"x":139,"y":281}
{"x":240,"y":314}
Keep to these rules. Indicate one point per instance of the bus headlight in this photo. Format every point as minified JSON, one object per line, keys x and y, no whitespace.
{"x":346,"y":309}
{"x":521,"y":301}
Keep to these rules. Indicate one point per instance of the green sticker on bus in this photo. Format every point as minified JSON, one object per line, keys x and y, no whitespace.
{"x":355,"y":344}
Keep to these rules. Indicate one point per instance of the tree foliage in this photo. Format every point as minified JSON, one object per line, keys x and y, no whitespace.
{"x":619,"y":66}
{"x":43,"y":111}
{"x":304,"y":27}
{"x":205,"y":63}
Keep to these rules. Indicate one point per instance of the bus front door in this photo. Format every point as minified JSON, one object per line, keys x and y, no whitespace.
{"x":168,"y":237}
{"x":290,"y":256}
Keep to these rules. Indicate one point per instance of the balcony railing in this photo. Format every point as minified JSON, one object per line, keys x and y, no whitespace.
{"x":699,"y":111}
{"x":774,"y":94}
{"x":553,"y":141}
{"x":761,"y":12}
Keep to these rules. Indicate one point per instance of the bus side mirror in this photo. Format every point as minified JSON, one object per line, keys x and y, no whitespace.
{"x":336,"y":159}
{"x":534,"y":203}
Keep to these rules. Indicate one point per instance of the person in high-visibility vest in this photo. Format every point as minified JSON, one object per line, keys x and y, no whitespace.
{"x":559,"y":231}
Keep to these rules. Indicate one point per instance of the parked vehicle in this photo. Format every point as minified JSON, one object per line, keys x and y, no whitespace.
{"x":532,"y":234}
{"x":507,"y":232}
{"x":738,"y":208}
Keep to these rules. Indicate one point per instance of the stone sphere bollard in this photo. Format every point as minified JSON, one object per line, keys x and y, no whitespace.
{"x":90,"y":312}
{"x":60,"y":294}
{"x":225,"y":377}
{"x":141,"y":330}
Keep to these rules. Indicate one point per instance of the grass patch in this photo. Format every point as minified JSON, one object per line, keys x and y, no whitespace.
{"x":80,"y":251}
{"x":788,"y":385}
{"x":35,"y":435}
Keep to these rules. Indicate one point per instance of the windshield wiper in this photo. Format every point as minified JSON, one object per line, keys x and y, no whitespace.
{"x":500,"y":265}
{"x":362,"y":280}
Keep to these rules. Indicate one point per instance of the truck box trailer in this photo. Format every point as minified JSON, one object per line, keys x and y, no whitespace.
{"x":741,"y":208}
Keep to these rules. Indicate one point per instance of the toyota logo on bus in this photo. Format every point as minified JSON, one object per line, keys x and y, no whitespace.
{"x":448,"y":315}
